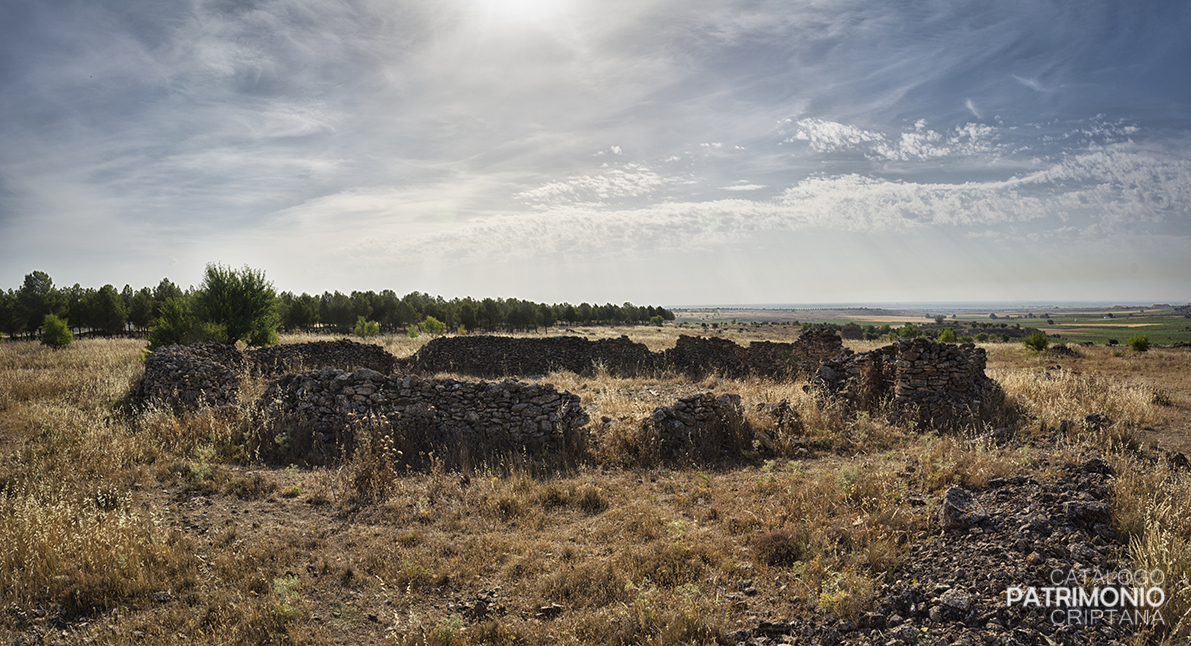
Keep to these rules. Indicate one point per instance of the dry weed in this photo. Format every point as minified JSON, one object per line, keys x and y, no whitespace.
{"x":1061,"y":394}
{"x":87,"y":554}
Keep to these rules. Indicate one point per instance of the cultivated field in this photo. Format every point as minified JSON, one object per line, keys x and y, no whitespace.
{"x":160,"y":528}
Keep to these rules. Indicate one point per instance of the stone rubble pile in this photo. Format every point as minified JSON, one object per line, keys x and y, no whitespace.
{"x":1012,"y":532}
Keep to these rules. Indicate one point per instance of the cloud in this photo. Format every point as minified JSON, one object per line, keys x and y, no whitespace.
{"x":1031,"y":83}
{"x":632,"y":181}
{"x":742,"y":187}
{"x":829,"y":136}
{"x":1116,"y":188}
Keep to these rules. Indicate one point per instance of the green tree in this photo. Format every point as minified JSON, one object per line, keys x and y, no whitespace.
{"x":108,"y":310}
{"x":242,"y":302}
{"x":1140,"y":343}
{"x":174,"y":326}
{"x":910,"y":331}
{"x":366,"y":328}
{"x":165,"y":289}
{"x":10,"y":320}
{"x":38,"y":297}
{"x":469,"y":315}
{"x":55,"y":332}
{"x":947,"y":335}
{"x":140,"y":312}
{"x":300,"y":312}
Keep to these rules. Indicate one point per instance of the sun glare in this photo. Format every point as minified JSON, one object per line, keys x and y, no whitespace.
{"x":520,"y":10}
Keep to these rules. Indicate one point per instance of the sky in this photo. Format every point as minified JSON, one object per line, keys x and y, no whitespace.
{"x":653,"y":151}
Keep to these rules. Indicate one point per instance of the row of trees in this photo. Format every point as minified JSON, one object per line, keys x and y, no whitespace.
{"x":103,"y":311}
{"x":339,"y":312}
{"x":233,"y":305}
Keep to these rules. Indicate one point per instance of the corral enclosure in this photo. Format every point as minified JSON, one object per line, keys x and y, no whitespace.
{"x":321,"y":394}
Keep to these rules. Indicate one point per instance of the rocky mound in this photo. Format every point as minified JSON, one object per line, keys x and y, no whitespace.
{"x":1009,"y":536}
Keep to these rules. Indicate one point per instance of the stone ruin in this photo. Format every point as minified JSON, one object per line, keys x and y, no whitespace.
{"x":188,"y":378}
{"x":936,"y":385}
{"x":322,"y":393}
{"x":700,"y":428}
{"x":209,"y":374}
{"x":504,"y":356}
{"x":696,"y":357}
{"x":314,"y":415}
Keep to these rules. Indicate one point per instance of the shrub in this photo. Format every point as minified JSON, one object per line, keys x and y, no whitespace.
{"x":433,"y":326}
{"x":1140,"y":343}
{"x":947,"y":335}
{"x":982,"y":337}
{"x":242,"y":302}
{"x":365,"y":328}
{"x":412,"y":331}
{"x":910,"y":331}
{"x":55,"y":333}
{"x":1037,"y":341}
{"x":1113,"y":342}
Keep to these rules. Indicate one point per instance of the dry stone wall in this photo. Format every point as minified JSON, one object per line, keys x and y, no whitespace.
{"x":187,"y":378}
{"x":316,"y":414}
{"x":500,"y":356}
{"x":209,"y":374}
{"x":277,"y":360}
{"x":701,"y":428}
{"x":697,"y":357}
{"x":940,"y":385}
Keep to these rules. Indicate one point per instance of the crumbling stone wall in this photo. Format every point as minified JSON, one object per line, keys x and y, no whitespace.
{"x":208,"y":374}
{"x":696,"y":357}
{"x":315,"y":415}
{"x":936,"y":384}
{"x":277,"y":360}
{"x":187,"y":378}
{"x":499,"y":356}
{"x":701,"y":428}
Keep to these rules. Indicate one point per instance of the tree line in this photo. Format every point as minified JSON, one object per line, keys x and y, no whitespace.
{"x":233,"y":305}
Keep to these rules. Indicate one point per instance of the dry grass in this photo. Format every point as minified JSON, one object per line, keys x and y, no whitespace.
{"x":1061,"y":394}
{"x":812,"y":518}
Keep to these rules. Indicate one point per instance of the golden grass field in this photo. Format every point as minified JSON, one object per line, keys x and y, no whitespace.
{"x":158,"y":529}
